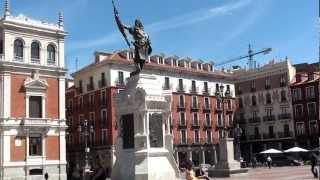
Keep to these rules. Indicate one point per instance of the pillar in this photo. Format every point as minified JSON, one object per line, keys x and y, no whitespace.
{"x":203,"y":157}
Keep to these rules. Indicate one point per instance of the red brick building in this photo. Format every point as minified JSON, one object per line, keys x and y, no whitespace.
{"x":32,"y":98}
{"x":196,"y":114}
{"x":305,"y":103}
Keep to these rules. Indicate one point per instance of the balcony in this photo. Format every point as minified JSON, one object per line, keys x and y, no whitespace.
{"x":207,"y":124}
{"x":195,"y":124}
{"x":120,"y":83}
{"x":90,"y":87}
{"x":207,"y":107}
{"x":255,"y":120}
{"x":195,"y":106}
{"x":310,"y":96}
{"x":196,"y":141}
{"x":269,"y":118}
{"x":182,"y":124}
{"x":18,"y":59}
{"x":194,"y":90}
{"x":269,"y":136}
{"x":207,"y":141}
{"x":255,"y":137}
{"x":284,"y":116}
{"x":167,"y":87}
{"x":102,"y":83}
{"x":284,"y":100}
{"x":206,"y":91}
{"x":79,"y":90}
{"x":267,"y":87}
{"x":181,"y":107}
{"x":181,"y":89}
{"x":183,"y":141}
{"x":283,"y":84}
{"x":229,"y":109}
{"x":35,"y":60}
{"x":285,"y":134}
{"x":51,"y":62}
{"x":312,"y":116}
{"x":219,"y":108}
{"x":220,"y":123}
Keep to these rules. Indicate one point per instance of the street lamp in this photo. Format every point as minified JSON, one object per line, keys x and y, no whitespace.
{"x":238,"y":133}
{"x":222,"y":96}
{"x":85,"y":130}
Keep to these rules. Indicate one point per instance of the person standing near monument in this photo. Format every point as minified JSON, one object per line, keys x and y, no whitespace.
{"x":190,"y":174}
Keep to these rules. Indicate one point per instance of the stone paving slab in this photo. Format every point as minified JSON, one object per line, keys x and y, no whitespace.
{"x":276,"y":173}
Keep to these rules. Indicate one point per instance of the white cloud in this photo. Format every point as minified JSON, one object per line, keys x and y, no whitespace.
{"x":171,"y":23}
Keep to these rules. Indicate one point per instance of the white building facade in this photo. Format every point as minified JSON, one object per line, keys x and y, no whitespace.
{"x":32,"y":98}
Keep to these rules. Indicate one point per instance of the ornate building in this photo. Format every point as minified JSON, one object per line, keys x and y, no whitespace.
{"x":32,"y":98}
{"x":264,"y":107}
{"x":196,"y":113}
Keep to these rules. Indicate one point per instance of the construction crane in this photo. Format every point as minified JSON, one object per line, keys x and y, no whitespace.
{"x":251,"y":62}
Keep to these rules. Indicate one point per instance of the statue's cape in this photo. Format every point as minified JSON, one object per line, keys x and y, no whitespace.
{"x":119,"y":24}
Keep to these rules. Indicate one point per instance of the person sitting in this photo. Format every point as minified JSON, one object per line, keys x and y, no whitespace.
{"x":190,"y":174}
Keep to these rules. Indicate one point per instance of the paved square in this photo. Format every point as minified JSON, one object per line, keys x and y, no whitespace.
{"x":278,"y":173}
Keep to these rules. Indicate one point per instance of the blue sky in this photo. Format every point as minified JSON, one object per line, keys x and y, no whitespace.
{"x":215,"y":30}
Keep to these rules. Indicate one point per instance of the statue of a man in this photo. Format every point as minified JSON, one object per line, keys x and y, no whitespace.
{"x":142,"y":45}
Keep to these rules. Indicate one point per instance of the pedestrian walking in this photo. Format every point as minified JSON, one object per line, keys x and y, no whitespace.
{"x":269,"y":161}
{"x":313,"y":165}
{"x":254,"y":162}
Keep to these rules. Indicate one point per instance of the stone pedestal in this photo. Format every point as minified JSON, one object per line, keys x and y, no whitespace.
{"x":144,"y":144}
{"x":226,"y":164}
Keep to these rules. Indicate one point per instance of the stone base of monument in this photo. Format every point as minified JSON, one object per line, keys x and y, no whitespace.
{"x":144,"y":144}
{"x":226,"y":165}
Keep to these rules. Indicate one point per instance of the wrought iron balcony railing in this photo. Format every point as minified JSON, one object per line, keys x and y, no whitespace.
{"x":255,"y":120}
{"x":269,"y":118}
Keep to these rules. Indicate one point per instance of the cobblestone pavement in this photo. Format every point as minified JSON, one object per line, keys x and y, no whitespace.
{"x":276,"y":173}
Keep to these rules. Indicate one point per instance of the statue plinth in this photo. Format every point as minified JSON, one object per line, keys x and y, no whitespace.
{"x":226,"y":164}
{"x":144,"y":144}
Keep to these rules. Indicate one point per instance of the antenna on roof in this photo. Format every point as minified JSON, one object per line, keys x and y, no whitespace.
{"x":77,"y":61}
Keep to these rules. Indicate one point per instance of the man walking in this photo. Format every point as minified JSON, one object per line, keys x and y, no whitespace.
{"x":269,"y":161}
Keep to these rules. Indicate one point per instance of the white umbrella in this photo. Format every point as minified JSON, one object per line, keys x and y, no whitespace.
{"x":296,"y":149}
{"x":271,"y":151}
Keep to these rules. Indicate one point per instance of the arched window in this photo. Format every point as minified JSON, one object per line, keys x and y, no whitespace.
{"x":18,"y":50}
{"x":35,"y":52}
{"x":51,"y":53}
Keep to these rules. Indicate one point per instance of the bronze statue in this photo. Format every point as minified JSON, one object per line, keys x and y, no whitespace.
{"x":141,"y":43}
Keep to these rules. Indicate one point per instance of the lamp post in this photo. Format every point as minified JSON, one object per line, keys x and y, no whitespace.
{"x":238,"y":132}
{"x":85,"y":130}
{"x":222,"y":96}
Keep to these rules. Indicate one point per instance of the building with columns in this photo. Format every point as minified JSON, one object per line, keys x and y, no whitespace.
{"x":264,"y":107}
{"x":32,"y":98}
{"x":196,"y":112}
